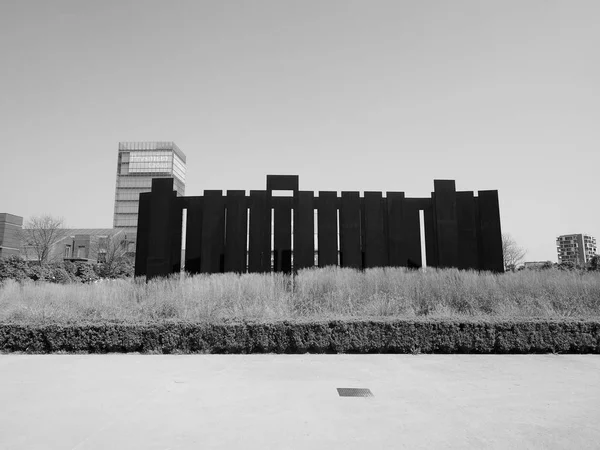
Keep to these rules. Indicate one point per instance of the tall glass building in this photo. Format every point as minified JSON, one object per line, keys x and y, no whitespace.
{"x":138,"y":163}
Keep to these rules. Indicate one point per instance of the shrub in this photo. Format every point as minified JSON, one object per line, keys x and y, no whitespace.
{"x":60,"y":275}
{"x":123,"y":268}
{"x":85,"y":273}
{"x":13,"y":268}
{"x":334,"y":336}
{"x":16,"y":268}
{"x":40,"y":273}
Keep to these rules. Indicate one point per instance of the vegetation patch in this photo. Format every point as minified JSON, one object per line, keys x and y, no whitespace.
{"x":331,"y":310}
{"x":317,"y":295}
{"x":349,"y":336}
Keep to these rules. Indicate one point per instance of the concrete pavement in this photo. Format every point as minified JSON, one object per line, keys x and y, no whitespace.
{"x":131,"y":401}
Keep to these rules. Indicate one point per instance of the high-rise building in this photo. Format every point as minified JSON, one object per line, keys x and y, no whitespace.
{"x":575,"y":248}
{"x":138,"y":163}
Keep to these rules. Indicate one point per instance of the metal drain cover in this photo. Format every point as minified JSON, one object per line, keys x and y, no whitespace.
{"x":354,"y":392}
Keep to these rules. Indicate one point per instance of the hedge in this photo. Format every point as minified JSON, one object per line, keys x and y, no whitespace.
{"x":336,"y":336}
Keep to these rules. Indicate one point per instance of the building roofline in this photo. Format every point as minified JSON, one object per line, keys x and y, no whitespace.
{"x":125,"y":146}
{"x":11,"y":219}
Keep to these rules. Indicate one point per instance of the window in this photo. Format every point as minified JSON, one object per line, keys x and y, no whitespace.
{"x":67,"y":251}
{"x":81,"y":251}
{"x":127,"y":208}
{"x":135,"y":182}
{"x":130,"y":194}
{"x":102,"y":243}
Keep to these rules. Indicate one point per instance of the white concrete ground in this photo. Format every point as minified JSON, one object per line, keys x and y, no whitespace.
{"x":279,"y":402}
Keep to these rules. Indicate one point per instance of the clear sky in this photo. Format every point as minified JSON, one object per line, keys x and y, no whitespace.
{"x":350,"y":95}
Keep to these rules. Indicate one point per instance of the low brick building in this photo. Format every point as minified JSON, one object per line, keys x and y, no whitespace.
{"x":78,"y":244}
{"x":87,"y":244}
{"x":10,"y":234}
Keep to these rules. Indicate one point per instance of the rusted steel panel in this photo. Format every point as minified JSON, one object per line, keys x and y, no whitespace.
{"x":260,"y":233}
{"x":282,"y":182}
{"x":304,"y":229}
{"x":160,"y":233}
{"x":213,"y":233}
{"x":143,"y":229}
{"x":175,"y":227}
{"x":467,"y":231}
{"x":431,"y":251}
{"x":282,"y":236}
{"x":490,"y":232}
{"x":412,"y":232}
{"x":396,"y":235}
{"x":327,"y":229}
{"x":193,"y":235}
{"x":236,"y":231}
{"x":350,"y":251}
{"x":446,"y":224}
{"x":375,"y":239}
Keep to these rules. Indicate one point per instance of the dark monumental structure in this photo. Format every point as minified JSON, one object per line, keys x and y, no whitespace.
{"x":233,"y":232}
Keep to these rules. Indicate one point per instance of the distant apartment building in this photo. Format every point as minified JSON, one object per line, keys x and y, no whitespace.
{"x":10,"y":237}
{"x":137,"y":164}
{"x":575,"y":248}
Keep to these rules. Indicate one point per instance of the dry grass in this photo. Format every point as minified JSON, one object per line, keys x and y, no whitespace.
{"x":320,"y":293}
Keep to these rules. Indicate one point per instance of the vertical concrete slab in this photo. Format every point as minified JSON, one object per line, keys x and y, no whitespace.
{"x":396,"y":236}
{"x":212,"y":252}
{"x":375,"y":239}
{"x":304,"y":230}
{"x":282,"y":234}
{"x":235,"y":231}
{"x":467,"y":231}
{"x":446,"y":224}
{"x":193,"y":235}
{"x":259,"y":258}
{"x":143,"y":230}
{"x":350,"y":252}
{"x":412,"y":232}
{"x":327,"y":228}
{"x":159,"y":233}
{"x":490,"y":233}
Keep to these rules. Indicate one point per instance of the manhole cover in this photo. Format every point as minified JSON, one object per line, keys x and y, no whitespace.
{"x":354,"y":392}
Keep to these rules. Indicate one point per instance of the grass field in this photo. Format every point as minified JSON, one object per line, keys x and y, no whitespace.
{"x":329,"y":293}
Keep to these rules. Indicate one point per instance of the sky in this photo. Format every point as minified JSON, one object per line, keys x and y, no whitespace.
{"x":349,"y":95}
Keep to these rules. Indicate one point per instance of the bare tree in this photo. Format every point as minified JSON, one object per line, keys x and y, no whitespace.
{"x":112,"y":252}
{"x":40,"y":234}
{"x":513,"y":254}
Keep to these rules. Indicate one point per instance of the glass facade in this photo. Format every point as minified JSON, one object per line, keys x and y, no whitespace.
{"x":137,"y":164}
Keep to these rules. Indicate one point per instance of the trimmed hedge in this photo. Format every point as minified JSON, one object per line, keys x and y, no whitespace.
{"x":358,"y":336}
